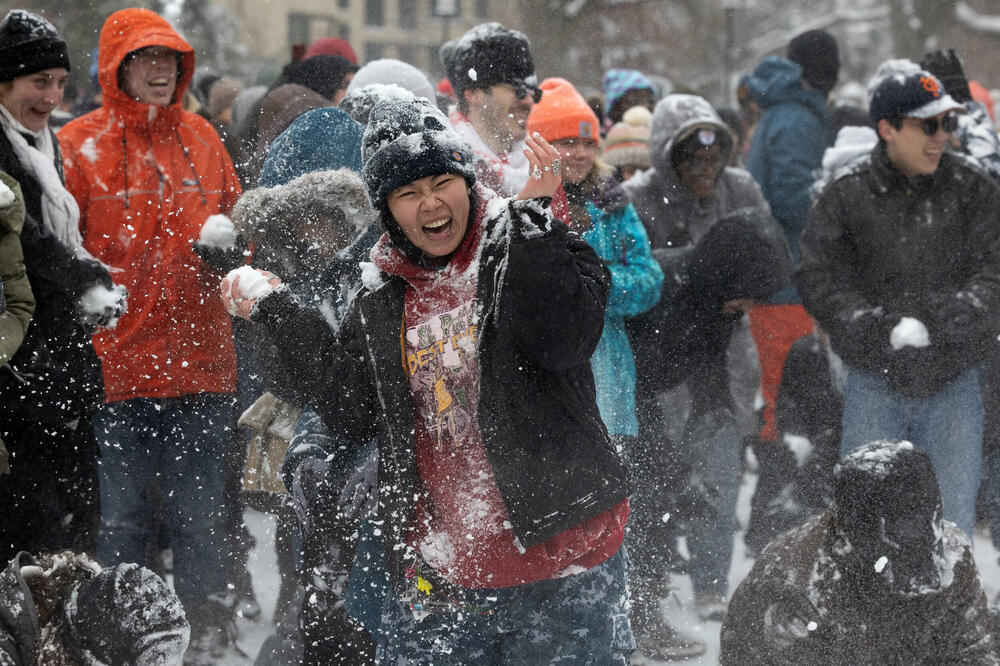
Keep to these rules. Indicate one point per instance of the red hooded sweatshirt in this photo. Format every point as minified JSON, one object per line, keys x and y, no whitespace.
{"x":146,"y":178}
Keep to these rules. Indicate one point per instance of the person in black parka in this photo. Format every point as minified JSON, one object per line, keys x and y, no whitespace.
{"x":50,"y":497}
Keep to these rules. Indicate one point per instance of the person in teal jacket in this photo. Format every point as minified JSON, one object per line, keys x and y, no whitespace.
{"x":601,"y":212}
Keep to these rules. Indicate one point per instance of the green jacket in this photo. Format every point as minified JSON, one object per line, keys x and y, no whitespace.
{"x":17,"y":303}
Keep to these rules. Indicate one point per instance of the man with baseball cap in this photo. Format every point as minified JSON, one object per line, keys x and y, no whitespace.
{"x":901,"y":266}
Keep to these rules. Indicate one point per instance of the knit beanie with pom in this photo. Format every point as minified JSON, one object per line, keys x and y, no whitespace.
{"x":627,"y":142}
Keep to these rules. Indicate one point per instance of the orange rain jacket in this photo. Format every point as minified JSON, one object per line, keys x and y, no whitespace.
{"x":146,"y":178}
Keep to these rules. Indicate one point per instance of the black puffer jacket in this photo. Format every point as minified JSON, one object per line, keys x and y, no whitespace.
{"x":542,"y":291}
{"x":56,"y":358}
{"x":878,"y":247}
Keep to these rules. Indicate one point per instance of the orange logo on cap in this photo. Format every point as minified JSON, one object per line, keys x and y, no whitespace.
{"x":930,"y":85}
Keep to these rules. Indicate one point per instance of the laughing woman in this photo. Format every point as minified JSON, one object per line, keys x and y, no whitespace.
{"x":50,"y":498}
{"x":467,"y":356}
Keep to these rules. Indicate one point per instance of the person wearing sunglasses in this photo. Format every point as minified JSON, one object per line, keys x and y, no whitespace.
{"x":901,"y":266}
{"x":493,"y":75}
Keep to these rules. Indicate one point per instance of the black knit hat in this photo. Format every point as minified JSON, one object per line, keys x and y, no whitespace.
{"x":321,"y":73}
{"x":486,"y":55}
{"x":408,"y":138}
{"x":816,"y":52}
{"x":125,"y":615}
{"x":29,"y":44}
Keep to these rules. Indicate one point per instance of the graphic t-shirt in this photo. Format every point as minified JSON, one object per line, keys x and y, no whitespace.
{"x":462,"y":528}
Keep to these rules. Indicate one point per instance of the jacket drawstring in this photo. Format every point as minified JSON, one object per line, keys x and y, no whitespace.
{"x":125,"y":165}
{"x":187,"y":155}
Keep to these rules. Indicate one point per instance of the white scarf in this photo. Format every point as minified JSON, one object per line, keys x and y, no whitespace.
{"x":60,"y":212}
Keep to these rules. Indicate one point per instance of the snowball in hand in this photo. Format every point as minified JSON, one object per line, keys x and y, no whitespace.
{"x":218,"y":231}
{"x":254,"y":284}
{"x":7,"y":196}
{"x":909,"y":332}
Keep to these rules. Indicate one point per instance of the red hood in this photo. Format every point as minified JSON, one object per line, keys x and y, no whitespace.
{"x":129,"y":30}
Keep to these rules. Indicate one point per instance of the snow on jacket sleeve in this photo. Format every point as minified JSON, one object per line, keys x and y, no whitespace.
{"x":970,"y":317}
{"x":332,"y":371}
{"x":556,"y":289}
{"x":825,"y":279}
{"x":636,"y":277}
{"x":979,"y":139}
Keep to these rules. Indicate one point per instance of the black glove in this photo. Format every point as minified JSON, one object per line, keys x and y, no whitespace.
{"x":224,"y":259}
{"x":947,"y":66}
{"x":913,"y":372}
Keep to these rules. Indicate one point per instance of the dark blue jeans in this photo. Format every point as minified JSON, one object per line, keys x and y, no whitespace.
{"x":576,"y":620}
{"x":180,"y":442}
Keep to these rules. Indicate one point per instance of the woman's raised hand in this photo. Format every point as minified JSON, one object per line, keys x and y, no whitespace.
{"x":543,"y":168}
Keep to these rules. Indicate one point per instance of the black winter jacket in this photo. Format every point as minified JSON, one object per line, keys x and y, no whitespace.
{"x":542,"y":292}
{"x":878,"y":247}
{"x":57,"y":359}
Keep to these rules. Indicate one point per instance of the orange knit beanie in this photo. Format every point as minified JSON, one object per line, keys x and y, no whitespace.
{"x":563,"y":113}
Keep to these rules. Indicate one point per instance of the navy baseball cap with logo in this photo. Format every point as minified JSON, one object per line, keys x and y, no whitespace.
{"x":919,"y":95}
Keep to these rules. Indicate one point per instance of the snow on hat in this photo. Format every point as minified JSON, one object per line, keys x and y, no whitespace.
{"x":390,"y":71}
{"x":617,"y":82}
{"x":359,"y":102}
{"x":627,"y":142}
{"x":29,"y":44}
{"x":888,"y":68}
{"x":486,"y":55}
{"x":888,"y":505}
{"x":562,"y":113}
{"x":817,"y":53}
{"x":331,"y":46}
{"x":125,"y":615}
{"x":918,"y":95}
{"x":408,"y":138}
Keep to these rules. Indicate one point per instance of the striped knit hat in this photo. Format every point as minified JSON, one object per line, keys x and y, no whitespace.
{"x":628,"y":141}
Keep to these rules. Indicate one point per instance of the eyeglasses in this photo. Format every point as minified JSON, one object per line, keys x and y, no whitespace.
{"x":153,"y":53}
{"x":930,"y":126}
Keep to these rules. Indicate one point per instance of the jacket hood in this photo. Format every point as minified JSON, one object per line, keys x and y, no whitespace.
{"x":674,"y":117}
{"x":129,"y":30}
{"x":332,"y":205}
{"x":777,"y":80}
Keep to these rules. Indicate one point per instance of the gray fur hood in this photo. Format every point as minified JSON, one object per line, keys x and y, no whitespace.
{"x":673,"y":119}
{"x":335,"y":201}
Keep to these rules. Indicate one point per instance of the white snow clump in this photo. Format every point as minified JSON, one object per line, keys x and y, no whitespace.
{"x":7,"y":196}
{"x":218,"y":231}
{"x":909,"y":332}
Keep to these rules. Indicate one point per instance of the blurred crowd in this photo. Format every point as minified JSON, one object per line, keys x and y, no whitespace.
{"x":496,"y":353}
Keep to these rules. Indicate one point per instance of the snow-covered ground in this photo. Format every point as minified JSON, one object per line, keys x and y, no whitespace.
{"x":679,"y":607}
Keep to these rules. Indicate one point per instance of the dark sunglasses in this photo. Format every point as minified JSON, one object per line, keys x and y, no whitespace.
{"x":521,"y":89}
{"x":930,"y":126}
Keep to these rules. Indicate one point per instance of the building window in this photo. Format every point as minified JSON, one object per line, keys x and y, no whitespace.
{"x":374,"y":12}
{"x":343,"y":4}
{"x":408,"y":14}
{"x":482,"y":9}
{"x":374,"y":51}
